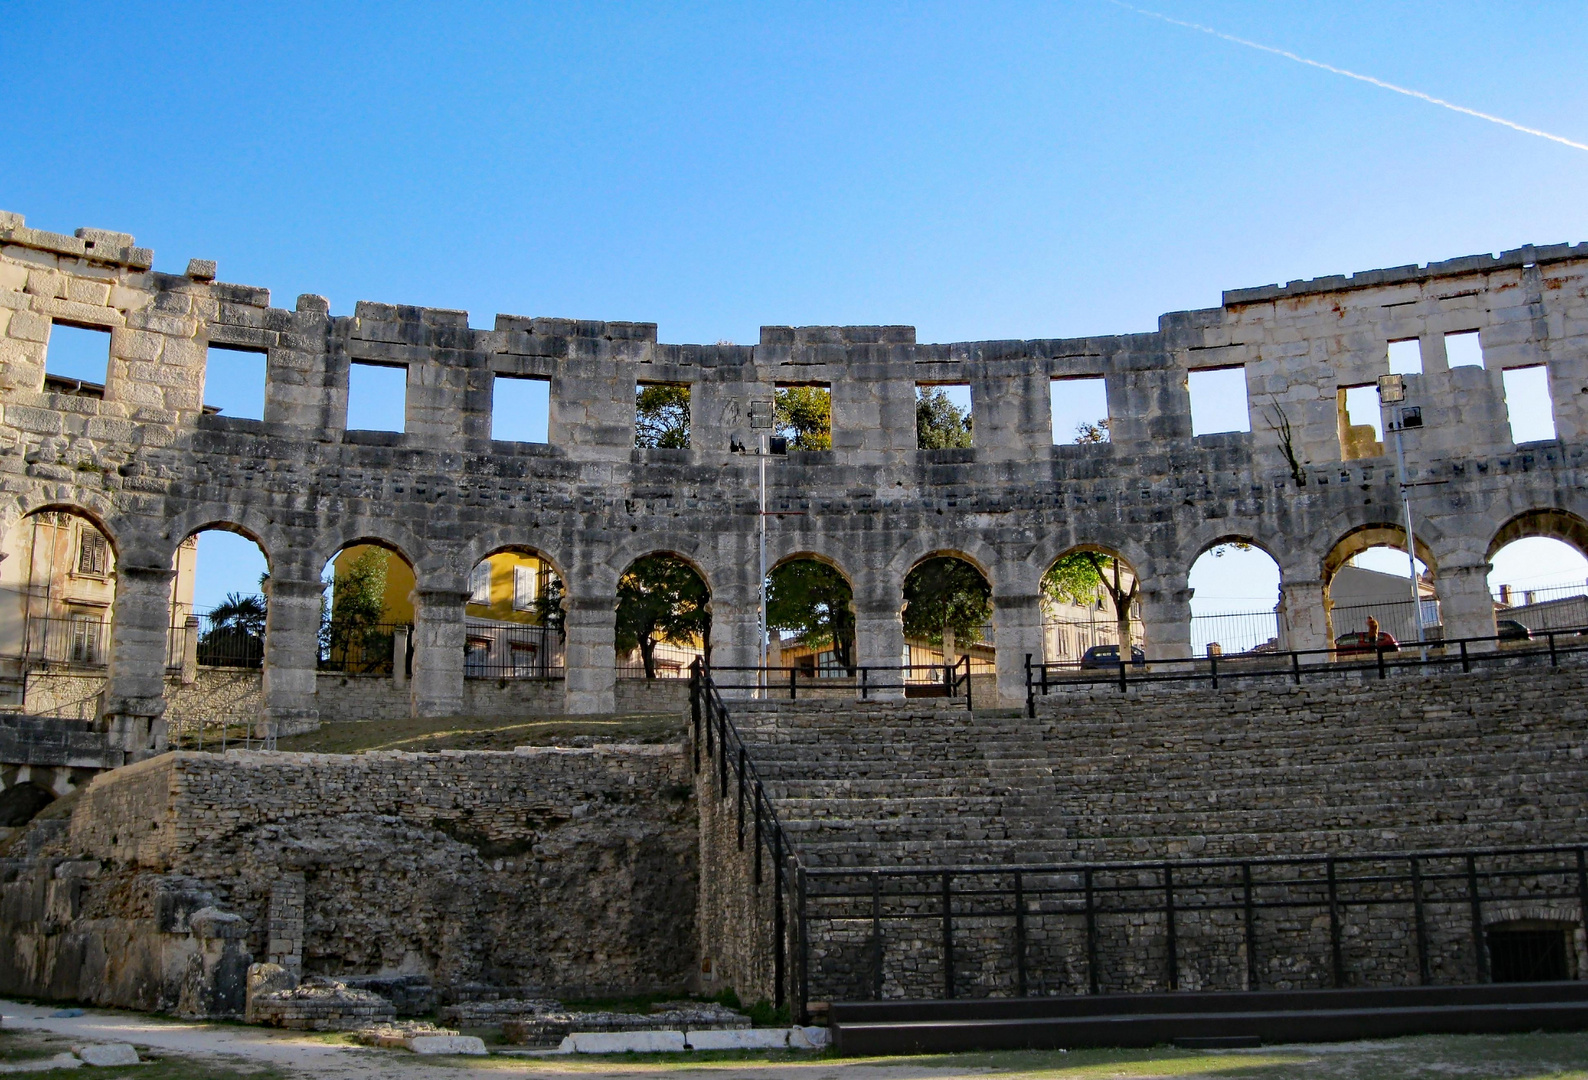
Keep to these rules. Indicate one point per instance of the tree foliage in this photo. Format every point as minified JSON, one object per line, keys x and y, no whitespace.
{"x":1096,"y":432}
{"x":813,"y":600}
{"x":661,"y":416}
{"x":1081,"y":576}
{"x":236,"y":634}
{"x":939,"y":423}
{"x":351,"y":632}
{"x":805,"y":416}
{"x":661,"y":598}
{"x":946,"y":593}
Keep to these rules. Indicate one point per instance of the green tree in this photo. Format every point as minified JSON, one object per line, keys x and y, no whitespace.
{"x":813,"y":600}
{"x":939,"y":423}
{"x":548,"y":605}
{"x":1079,"y":578}
{"x":351,"y":632}
{"x":661,"y":598}
{"x":805,"y":416}
{"x":661,"y":416}
{"x":946,"y":593}
{"x":1092,"y":433}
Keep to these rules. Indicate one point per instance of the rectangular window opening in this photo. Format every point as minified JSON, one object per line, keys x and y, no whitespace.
{"x":1361,"y":422}
{"x":1406,"y":357}
{"x":526,"y":588}
{"x":520,"y":409}
{"x":76,"y":355}
{"x":377,"y":397}
{"x":1464,"y":349}
{"x":942,"y":416}
{"x":1218,"y":400}
{"x":1528,"y":404}
{"x":661,"y":416}
{"x":480,"y":584}
{"x":234,"y":381}
{"x":1080,"y":410}
{"x":804,"y":415}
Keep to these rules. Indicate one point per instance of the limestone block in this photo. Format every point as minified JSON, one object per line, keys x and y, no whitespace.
{"x":107,"y":1054}
{"x":201,"y":269}
{"x":740,"y":1039}
{"x":446,"y":1044}
{"x":809,"y":1038}
{"x":622,"y":1042}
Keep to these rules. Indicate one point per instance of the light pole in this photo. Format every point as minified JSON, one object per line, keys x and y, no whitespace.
{"x":1392,"y":394}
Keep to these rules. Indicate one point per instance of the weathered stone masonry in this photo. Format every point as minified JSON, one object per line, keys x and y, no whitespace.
{"x":555,"y":872}
{"x":150,"y":468}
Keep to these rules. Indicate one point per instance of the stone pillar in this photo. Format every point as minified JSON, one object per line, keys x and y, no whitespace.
{"x":190,"y":627}
{"x":1303,"y":622}
{"x":1465,"y":606}
{"x":292,"y":653}
{"x":399,"y":656}
{"x":1017,"y":629}
{"x":437,"y":685}
{"x":591,"y":656}
{"x":1166,"y":623}
{"x":736,"y":639}
{"x":879,"y":640}
{"x":132,"y":705}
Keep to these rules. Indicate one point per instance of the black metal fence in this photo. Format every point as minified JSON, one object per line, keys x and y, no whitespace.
{"x":364,"y":649}
{"x":505,"y":651}
{"x":867,"y":680}
{"x":1547,"y":647}
{"x":78,"y":641}
{"x":1419,"y":917}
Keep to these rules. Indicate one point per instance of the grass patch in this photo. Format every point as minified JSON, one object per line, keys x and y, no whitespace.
{"x":485,"y":733}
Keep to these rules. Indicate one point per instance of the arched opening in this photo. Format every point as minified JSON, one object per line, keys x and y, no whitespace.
{"x":1091,"y":609}
{"x":21,"y":803}
{"x":513,"y":618}
{"x":368,"y":609}
{"x":663,"y":618}
{"x":218,"y":601}
{"x":1539,"y":574}
{"x":1368,"y":591}
{"x":57,"y":593}
{"x":1235,"y":601}
{"x":811,"y":614}
{"x":947,"y":618}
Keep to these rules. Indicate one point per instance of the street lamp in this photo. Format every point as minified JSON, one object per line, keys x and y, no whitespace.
{"x":1392,"y":395}
{"x":762,"y":413}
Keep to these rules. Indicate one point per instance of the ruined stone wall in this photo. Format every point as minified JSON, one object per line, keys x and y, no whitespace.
{"x":557,"y":872}
{"x":150,"y":468}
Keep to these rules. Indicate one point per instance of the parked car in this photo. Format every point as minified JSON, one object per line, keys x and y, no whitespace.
{"x":1360,"y":641}
{"x":1511,"y":630}
{"x":1107,"y":656}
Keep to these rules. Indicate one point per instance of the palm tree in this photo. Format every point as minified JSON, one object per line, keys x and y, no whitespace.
{"x":236,"y":635}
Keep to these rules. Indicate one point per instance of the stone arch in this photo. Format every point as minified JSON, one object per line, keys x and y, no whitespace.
{"x":1549,"y":522}
{"x":1254,"y":625}
{"x":362,"y":641}
{"x":99,"y":521}
{"x":1393,"y":613}
{"x":504,"y":637}
{"x":842,"y":627}
{"x":650,"y":655}
{"x":814,"y":556}
{"x":234,"y":643}
{"x":1071,"y":630}
{"x":506,"y":538}
{"x":1372,"y":535}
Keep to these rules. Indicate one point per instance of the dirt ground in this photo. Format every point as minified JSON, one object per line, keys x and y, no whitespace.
{"x":30,"y":1035}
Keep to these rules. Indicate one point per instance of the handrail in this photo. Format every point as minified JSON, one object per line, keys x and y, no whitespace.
{"x":707,"y":711}
{"x":1043,"y":676}
{"x":783,"y":681}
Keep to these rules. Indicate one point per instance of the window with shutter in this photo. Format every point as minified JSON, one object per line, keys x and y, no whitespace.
{"x":480,"y":584}
{"x":525,"y":582}
{"x":91,"y":549}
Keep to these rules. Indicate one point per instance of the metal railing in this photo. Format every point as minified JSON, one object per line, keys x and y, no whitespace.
{"x":668,"y":661}
{"x":1049,"y":911}
{"x":867,"y":681}
{"x":713,"y":731}
{"x":504,"y":651}
{"x":72,"y":642}
{"x":217,"y":644}
{"x":1295,"y":665}
{"x":362,"y":649}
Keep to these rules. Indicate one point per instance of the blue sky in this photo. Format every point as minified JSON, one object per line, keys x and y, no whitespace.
{"x":985,"y":170}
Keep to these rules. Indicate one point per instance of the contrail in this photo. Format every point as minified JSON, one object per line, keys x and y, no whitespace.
{"x":1370,"y":80}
